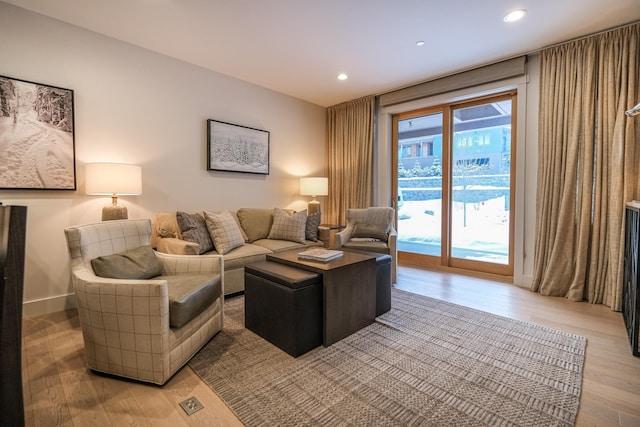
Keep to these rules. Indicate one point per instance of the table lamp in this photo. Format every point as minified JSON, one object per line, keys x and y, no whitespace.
{"x":113,"y":179}
{"x":314,"y":186}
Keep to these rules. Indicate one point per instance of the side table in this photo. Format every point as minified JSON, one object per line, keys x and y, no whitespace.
{"x":327,"y":234}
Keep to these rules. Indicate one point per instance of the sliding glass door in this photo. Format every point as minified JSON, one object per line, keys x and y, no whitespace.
{"x":453,"y":183}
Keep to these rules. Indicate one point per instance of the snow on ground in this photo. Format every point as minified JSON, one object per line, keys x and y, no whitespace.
{"x":487,"y":227}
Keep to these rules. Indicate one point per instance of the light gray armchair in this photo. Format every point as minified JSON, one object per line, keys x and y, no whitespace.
{"x":144,"y":329}
{"x":371,"y":229}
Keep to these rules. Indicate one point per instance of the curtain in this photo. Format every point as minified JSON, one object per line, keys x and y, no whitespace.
{"x":350,"y":130}
{"x":587,"y":165}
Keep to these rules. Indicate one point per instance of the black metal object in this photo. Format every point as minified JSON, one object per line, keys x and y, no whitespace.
{"x":13,"y":224}
{"x":630,"y":292}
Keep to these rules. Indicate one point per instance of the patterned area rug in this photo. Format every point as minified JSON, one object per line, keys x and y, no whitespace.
{"x":426,"y":362}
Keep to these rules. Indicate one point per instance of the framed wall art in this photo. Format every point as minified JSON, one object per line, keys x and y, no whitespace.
{"x":234,"y":148}
{"x":37,"y":142}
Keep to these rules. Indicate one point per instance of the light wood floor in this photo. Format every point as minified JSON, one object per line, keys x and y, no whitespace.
{"x":60,"y":391}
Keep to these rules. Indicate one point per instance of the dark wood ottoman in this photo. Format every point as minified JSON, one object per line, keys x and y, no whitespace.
{"x":283,"y":305}
{"x":383,"y":283}
{"x":383,"y":280}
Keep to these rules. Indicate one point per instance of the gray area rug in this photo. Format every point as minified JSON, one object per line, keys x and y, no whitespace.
{"x":426,"y":362}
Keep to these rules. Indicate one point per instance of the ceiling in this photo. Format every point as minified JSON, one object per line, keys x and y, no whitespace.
{"x":298,"y":47}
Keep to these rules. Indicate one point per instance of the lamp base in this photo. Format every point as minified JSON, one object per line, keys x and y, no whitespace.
{"x":112,"y":212}
{"x":313,"y":207}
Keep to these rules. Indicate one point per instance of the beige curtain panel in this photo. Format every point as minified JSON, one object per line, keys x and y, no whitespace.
{"x":587,"y":165}
{"x":349,"y":157}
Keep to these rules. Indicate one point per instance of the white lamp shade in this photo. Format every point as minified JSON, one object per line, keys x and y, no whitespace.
{"x":314,"y":186}
{"x":113,"y":178}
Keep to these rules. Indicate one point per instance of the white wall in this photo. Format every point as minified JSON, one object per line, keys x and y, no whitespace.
{"x":526,"y":156}
{"x":136,"y":106}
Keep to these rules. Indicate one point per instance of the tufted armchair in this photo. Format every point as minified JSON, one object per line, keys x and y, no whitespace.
{"x":371,"y":229}
{"x":144,"y":329}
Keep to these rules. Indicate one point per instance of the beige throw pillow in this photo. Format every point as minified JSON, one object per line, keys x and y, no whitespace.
{"x":224,"y":231}
{"x":256,"y":222}
{"x":288,"y":227}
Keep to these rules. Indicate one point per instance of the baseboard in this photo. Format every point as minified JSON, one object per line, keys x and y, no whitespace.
{"x":48,"y":305}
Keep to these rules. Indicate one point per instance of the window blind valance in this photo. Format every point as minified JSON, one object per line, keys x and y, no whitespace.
{"x":489,"y":73}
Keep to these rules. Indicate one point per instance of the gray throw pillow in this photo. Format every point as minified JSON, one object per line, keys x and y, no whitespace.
{"x":139,"y":263}
{"x":311,"y":230}
{"x":371,"y":231}
{"x":193,"y":228}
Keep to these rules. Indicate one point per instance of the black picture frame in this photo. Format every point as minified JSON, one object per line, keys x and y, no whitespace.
{"x":37,"y":136}
{"x":236,"y":148}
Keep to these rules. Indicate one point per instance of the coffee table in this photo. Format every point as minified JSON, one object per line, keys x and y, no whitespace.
{"x":348,"y":291}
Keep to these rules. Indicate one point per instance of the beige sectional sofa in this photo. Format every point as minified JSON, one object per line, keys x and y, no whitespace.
{"x":262,"y":231}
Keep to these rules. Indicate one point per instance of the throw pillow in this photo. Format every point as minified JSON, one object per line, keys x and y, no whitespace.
{"x":193,"y":228}
{"x":371,"y":231}
{"x":139,"y":263}
{"x":256,"y":222}
{"x":224,"y":231}
{"x":288,"y":227}
{"x":311,"y":230}
{"x":165,"y":224}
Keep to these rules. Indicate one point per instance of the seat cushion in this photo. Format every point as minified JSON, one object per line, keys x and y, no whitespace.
{"x":243,"y":255}
{"x":138,"y":263}
{"x":371,"y":246}
{"x":278,"y":245}
{"x":190,"y":295}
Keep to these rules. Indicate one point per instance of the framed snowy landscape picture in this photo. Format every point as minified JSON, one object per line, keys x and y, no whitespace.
{"x":235,"y":148}
{"x":37,"y":143}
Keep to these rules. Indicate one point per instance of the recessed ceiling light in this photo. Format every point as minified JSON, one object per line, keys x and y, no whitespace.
{"x":342,"y":76}
{"x":420,"y":43}
{"x":515,"y":15}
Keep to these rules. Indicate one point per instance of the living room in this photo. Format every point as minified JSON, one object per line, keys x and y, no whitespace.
{"x":136,"y":106}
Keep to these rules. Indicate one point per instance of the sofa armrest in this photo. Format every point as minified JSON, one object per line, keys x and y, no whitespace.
{"x":190,"y":264}
{"x":172,"y":245}
{"x":392,"y":242}
{"x":344,"y":236}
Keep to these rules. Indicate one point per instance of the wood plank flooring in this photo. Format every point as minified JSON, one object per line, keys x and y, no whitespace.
{"x":60,"y":391}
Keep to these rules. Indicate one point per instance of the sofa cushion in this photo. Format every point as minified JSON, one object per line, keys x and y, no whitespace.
{"x":371,"y":231}
{"x":288,"y":226}
{"x":190,"y":295}
{"x":281,"y":245}
{"x":311,"y":229}
{"x":368,"y":245}
{"x":139,"y":263}
{"x":224,"y":231}
{"x":193,"y":228}
{"x":256,"y":222}
{"x":243,"y":255}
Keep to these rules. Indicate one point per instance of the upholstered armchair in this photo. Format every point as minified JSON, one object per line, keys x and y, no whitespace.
{"x":371,"y":229}
{"x":137,"y":326}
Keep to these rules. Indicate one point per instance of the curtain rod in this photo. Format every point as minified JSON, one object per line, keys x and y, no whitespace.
{"x":583,"y":37}
{"x":509,"y":58}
